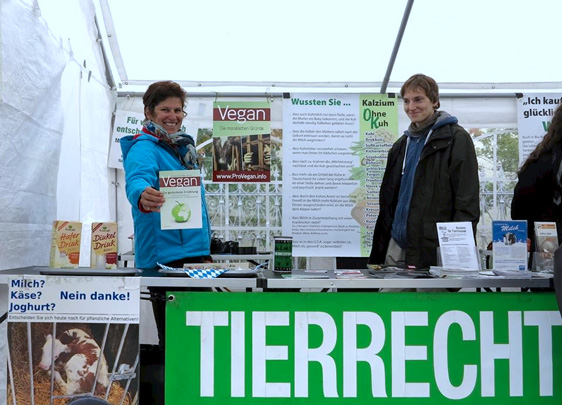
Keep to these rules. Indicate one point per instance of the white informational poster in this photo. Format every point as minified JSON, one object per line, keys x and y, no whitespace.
{"x":334,"y":154}
{"x":74,"y":299}
{"x":126,"y":123}
{"x":82,"y":333}
{"x":318,"y":133}
{"x":457,"y":246}
{"x":534,"y":113}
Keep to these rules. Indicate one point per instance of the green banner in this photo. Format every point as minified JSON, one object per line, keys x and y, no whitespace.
{"x":378,"y":130}
{"x":349,"y":348}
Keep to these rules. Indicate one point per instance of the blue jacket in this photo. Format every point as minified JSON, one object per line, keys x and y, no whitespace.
{"x":143,"y":158}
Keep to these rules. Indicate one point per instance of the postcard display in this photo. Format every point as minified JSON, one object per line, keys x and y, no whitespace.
{"x":510,"y":245}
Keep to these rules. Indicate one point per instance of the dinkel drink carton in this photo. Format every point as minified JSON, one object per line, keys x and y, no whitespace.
{"x":65,"y":244}
{"x":103,"y":254}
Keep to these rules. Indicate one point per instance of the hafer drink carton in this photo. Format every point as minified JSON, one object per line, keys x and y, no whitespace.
{"x":103,"y":254}
{"x":65,"y":244}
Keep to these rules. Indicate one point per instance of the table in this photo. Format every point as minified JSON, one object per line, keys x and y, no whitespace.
{"x":152,"y":278}
{"x":254,"y":259}
{"x":264,"y":343}
{"x":270,"y":280}
{"x":354,"y":345}
{"x":277,"y":281}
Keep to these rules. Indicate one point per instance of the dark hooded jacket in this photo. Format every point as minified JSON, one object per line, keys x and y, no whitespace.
{"x":538,"y":193}
{"x":445,"y":189}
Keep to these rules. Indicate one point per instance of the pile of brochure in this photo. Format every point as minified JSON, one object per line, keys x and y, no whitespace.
{"x":452,"y":273}
{"x":513,"y":273}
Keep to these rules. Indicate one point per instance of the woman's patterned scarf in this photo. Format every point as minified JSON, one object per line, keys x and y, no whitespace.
{"x":178,"y":139}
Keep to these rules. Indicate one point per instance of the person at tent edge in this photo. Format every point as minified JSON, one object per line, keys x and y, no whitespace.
{"x":162,"y":146}
{"x":538,"y":193}
{"x":431,"y":176}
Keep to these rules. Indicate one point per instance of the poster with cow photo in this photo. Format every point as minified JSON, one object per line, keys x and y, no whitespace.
{"x":241,"y":142}
{"x":73,"y":337}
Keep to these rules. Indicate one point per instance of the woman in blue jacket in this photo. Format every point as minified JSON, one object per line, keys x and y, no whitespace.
{"x":162,"y":146}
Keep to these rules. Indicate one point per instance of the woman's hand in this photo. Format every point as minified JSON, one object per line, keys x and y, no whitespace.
{"x":151,"y":199}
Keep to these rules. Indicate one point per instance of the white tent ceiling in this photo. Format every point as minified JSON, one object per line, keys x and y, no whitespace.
{"x":476,"y":45}
{"x":54,"y":85}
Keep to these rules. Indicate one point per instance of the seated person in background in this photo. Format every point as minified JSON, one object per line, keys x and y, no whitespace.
{"x":538,"y":193}
{"x":431,"y":176}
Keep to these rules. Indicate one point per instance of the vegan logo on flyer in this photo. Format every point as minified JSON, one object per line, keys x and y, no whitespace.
{"x":241,"y":115}
{"x":179,"y":181}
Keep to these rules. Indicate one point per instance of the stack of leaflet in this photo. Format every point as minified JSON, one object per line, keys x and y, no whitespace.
{"x":452,"y":273}
{"x":513,"y":273}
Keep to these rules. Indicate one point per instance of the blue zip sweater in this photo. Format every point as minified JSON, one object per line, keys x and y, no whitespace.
{"x":143,"y":158}
{"x":414,"y":149}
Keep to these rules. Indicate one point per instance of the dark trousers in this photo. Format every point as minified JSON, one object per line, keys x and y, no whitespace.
{"x":158,"y":296}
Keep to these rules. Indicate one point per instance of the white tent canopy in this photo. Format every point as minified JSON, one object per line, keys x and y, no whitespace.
{"x":487,"y":44}
{"x":67,"y":65}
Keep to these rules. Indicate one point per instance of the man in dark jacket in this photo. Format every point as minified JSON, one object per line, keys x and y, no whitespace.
{"x":431,"y":176}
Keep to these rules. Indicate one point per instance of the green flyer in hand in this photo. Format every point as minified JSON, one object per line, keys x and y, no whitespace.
{"x":182,"y":191}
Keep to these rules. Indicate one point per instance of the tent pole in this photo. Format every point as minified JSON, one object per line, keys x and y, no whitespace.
{"x":396,"y":45}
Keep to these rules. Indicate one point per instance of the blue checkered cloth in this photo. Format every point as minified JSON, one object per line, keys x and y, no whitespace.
{"x":204,"y":273}
{"x":197,"y":273}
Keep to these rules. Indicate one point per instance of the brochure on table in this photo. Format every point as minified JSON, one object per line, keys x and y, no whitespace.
{"x":509,"y":245}
{"x":457,"y":246}
{"x":546,"y":237}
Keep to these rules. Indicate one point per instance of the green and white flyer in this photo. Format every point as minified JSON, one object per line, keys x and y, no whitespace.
{"x":182,"y":191}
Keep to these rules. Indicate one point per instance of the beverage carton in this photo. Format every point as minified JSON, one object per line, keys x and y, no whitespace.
{"x":65,"y":244}
{"x":103,"y":254}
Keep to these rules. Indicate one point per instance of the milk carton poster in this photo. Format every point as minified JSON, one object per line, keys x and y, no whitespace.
{"x":71,"y":337}
{"x":509,"y":245}
{"x":182,"y":191}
